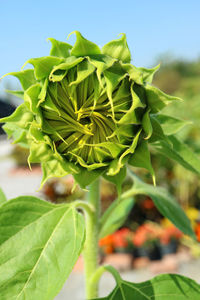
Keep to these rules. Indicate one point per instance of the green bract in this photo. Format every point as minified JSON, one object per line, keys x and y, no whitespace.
{"x":87,"y":111}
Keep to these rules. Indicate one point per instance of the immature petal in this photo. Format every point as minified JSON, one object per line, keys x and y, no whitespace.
{"x":26,"y":77}
{"x":83,"y":47}
{"x":59,"y":49}
{"x":118,"y":49}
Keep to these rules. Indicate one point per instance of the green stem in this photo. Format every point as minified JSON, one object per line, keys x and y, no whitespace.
{"x":90,"y":253}
{"x":106,"y":268}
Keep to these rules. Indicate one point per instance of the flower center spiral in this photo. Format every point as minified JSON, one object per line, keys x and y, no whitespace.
{"x":82,"y":119}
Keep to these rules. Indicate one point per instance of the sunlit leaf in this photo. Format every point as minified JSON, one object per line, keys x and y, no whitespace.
{"x":148,"y":74}
{"x":118,"y":49}
{"x":44,"y":65}
{"x":59,"y":49}
{"x":84,"y":47}
{"x":39,"y":245}
{"x":25,"y":77}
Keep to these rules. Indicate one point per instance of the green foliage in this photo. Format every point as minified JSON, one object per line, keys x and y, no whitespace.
{"x":161,"y":287}
{"x":39,"y":245}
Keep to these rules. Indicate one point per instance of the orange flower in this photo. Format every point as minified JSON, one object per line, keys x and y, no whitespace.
{"x":170,"y":233}
{"x":106,"y":244}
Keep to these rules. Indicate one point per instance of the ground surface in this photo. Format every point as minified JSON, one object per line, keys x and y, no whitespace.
{"x":16,"y":183}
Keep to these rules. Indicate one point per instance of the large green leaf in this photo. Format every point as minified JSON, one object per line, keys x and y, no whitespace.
{"x":180,"y":153}
{"x":39,"y":245}
{"x":115,"y":216}
{"x":161,"y":287}
{"x":2,"y":197}
{"x":165,"y":203}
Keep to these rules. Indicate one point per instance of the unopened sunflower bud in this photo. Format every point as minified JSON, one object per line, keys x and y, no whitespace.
{"x":87,"y":111}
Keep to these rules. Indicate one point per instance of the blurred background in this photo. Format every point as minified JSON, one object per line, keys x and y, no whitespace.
{"x":157,"y":32}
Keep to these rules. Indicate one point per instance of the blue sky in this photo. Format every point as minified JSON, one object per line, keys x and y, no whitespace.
{"x":152,"y":28}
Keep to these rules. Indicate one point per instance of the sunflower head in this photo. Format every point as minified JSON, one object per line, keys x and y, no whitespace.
{"x":87,"y":111}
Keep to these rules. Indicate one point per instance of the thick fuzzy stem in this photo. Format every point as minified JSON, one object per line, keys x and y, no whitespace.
{"x":90,"y":253}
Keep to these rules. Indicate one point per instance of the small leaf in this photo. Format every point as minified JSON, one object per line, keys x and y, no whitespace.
{"x":179,"y":152}
{"x":44,"y":65}
{"x":2,"y":197}
{"x":113,"y":76}
{"x":166,"y":204}
{"x":117,"y":164}
{"x":101,"y":63}
{"x":18,"y":94}
{"x":148,"y":74}
{"x":156,"y":99}
{"x":161,"y":287}
{"x":54,"y":167}
{"x":117,"y":179}
{"x":85,"y":177}
{"x":62,"y":69}
{"x":118,"y":213}
{"x":83,"y":47}
{"x":118,"y":49}
{"x":157,"y":131}
{"x":84,"y":69}
{"x":59,"y":49}
{"x":39,"y":245}
{"x":141,"y":158}
{"x":31,"y":97}
{"x":18,"y":134}
{"x":17,"y":124}
{"x":134,"y":73}
{"x":146,"y":124}
{"x":131,"y":116}
{"x":25,"y":77}
{"x":170,"y":125}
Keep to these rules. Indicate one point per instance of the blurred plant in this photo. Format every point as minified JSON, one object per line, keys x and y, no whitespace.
{"x":185,"y":185}
{"x":169,"y":234}
{"x":147,"y":235}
